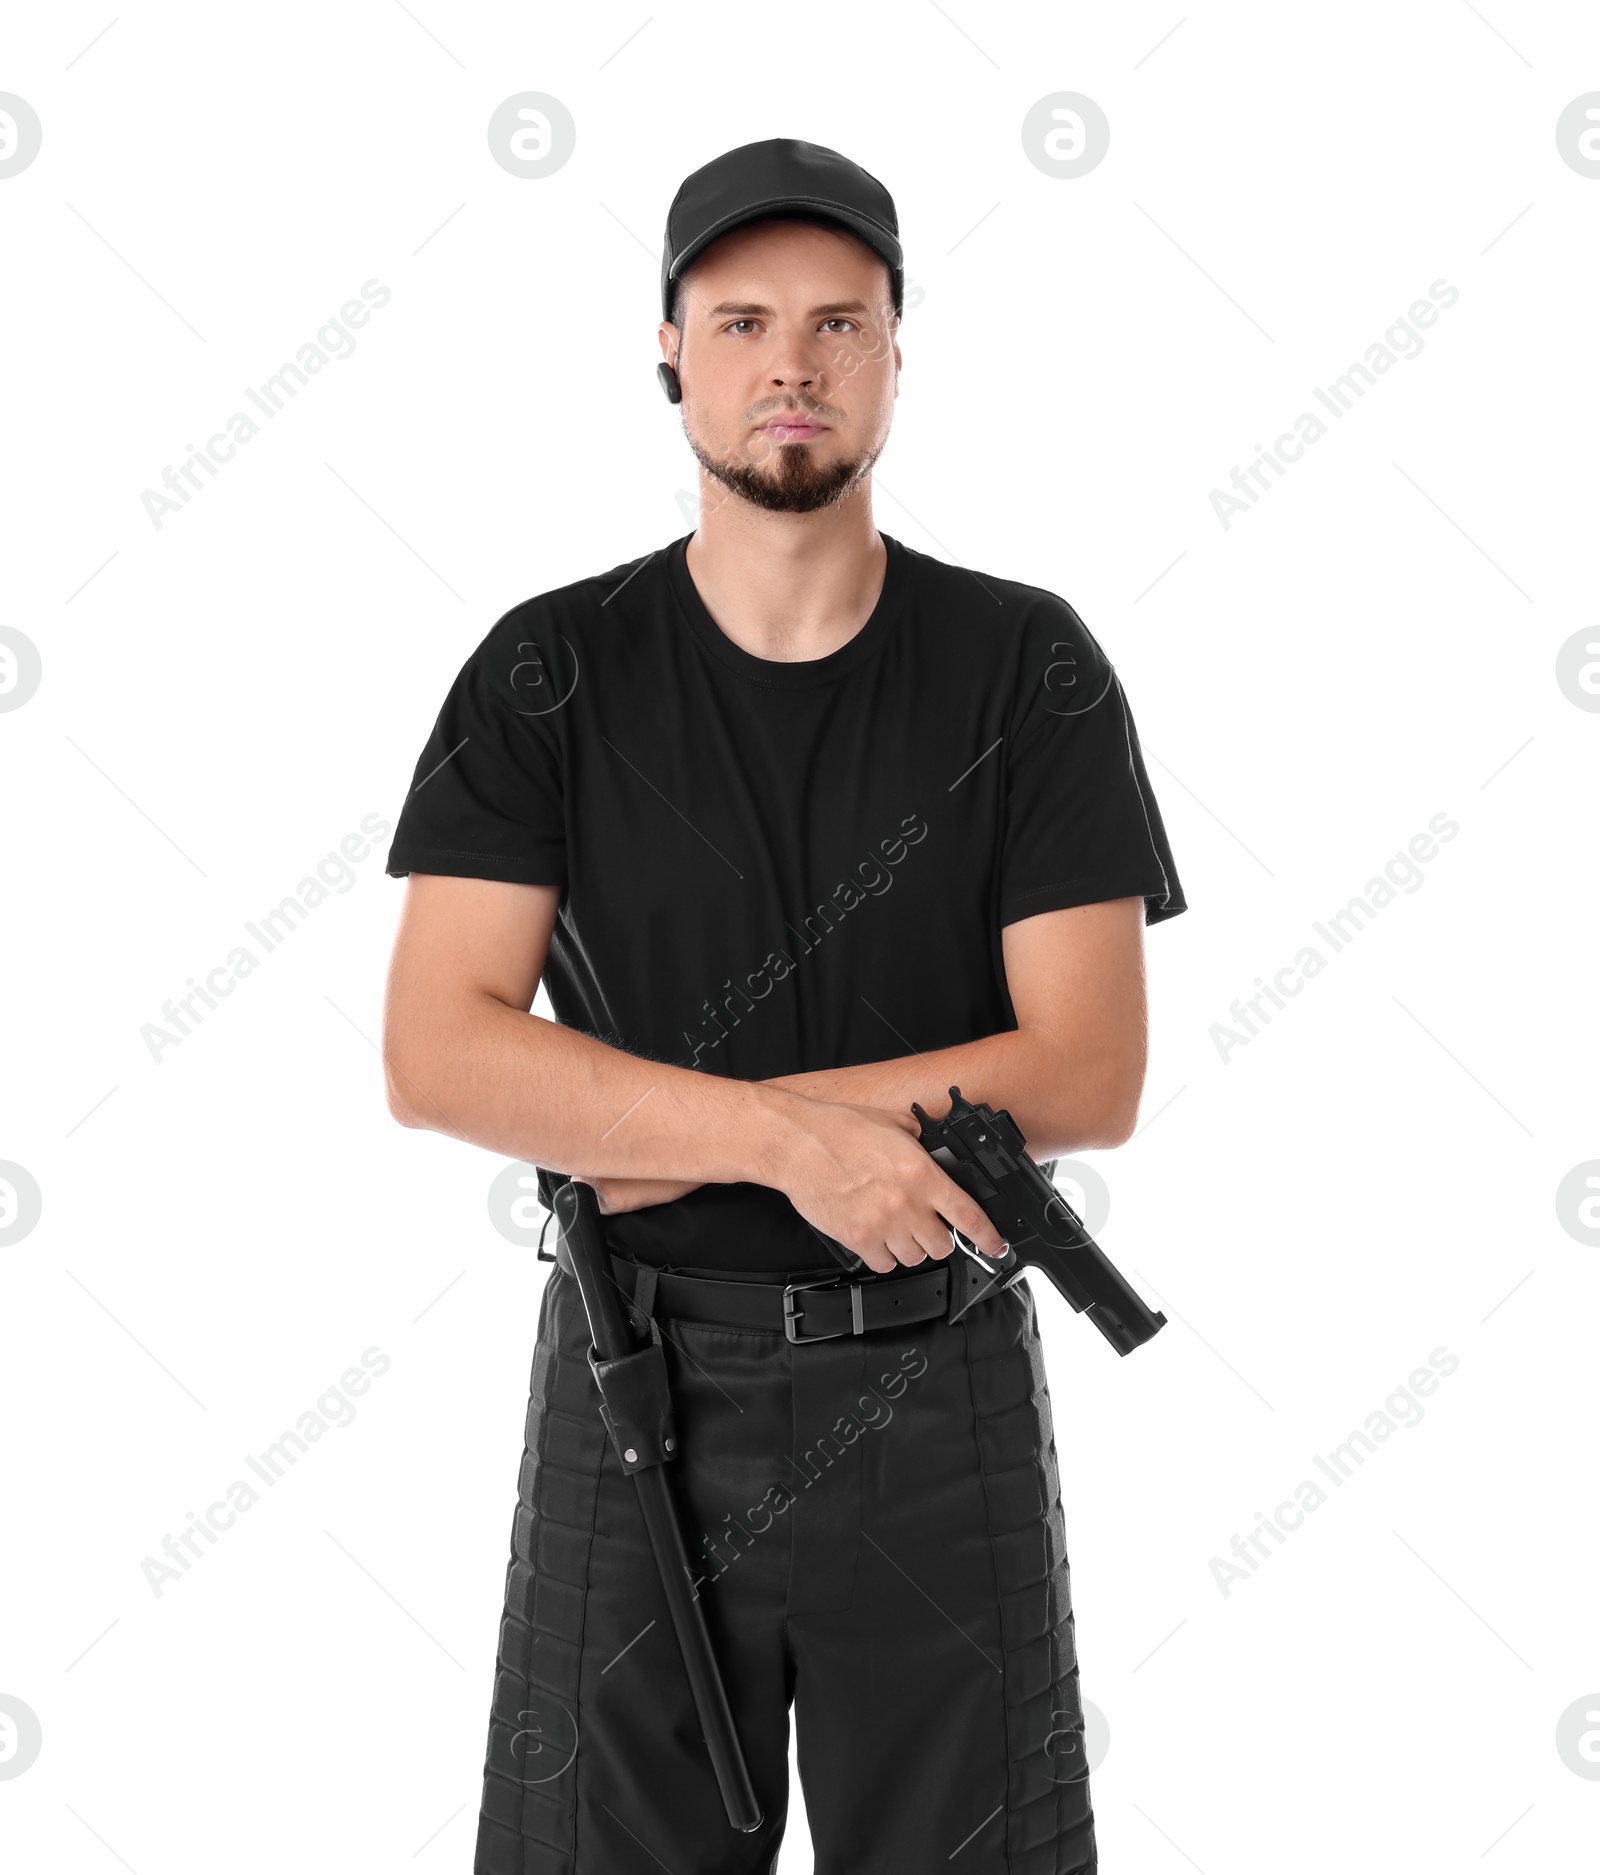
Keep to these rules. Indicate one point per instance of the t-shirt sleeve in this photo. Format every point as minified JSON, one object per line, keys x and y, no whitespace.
{"x":486,"y":798}
{"x":1081,"y":820}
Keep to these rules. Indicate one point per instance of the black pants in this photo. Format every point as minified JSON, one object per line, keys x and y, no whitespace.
{"x":878,"y":1523}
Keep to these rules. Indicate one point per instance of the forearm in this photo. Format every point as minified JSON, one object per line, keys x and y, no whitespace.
{"x":1020,"y":1070}
{"x":514,"y":1083}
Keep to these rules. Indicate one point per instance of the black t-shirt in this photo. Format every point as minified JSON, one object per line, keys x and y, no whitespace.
{"x":774,"y":867}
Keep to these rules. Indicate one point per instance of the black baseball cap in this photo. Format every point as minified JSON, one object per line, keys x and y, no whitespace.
{"x":779,"y":176}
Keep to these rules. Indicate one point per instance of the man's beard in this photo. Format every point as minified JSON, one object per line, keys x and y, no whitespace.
{"x":791,"y":482}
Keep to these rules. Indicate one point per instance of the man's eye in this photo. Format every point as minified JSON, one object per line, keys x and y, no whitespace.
{"x":740,"y":322}
{"x":839,"y":321}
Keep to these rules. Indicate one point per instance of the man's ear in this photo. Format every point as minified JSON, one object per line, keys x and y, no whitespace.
{"x":671,"y":340}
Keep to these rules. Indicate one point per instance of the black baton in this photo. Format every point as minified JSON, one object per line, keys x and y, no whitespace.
{"x":637,"y":1409}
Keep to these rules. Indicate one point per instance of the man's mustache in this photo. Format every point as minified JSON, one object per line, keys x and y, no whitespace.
{"x":808,"y":406}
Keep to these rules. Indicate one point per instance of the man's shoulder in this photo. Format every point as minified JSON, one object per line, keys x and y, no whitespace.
{"x":972,"y":595}
{"x":586,"y":600}
{"x":537,"y":648}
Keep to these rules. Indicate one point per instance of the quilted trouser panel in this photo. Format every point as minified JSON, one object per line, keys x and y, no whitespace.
{"x":936,"y":1706}
{"x":526,"y":1824}
{"x":1050,"y":1826}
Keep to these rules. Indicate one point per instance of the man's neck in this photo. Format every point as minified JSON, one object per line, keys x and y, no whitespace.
{"x":788,"y":587}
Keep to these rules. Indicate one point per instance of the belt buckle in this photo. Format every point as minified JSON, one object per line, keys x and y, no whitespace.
{"x":791,"y":1315}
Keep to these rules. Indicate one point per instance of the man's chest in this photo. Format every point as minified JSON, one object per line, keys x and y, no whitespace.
{"x":809,"y":795}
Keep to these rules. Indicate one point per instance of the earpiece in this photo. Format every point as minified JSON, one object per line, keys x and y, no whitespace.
{"x":669,"y":383}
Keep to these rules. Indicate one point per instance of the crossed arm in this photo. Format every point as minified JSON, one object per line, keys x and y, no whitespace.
{"x":464,"y":1056}
{"x":1071,"y":1072}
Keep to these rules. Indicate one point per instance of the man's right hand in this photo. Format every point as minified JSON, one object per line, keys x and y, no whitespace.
{"x":862,"y":1177}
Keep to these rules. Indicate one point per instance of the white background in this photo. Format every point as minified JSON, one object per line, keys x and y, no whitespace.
{"x":224,"y":698}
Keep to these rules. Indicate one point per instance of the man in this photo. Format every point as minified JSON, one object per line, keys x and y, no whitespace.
{"x":798,"y":825}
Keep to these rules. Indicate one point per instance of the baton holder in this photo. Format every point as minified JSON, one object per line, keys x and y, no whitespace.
{"x":636,"y":1406}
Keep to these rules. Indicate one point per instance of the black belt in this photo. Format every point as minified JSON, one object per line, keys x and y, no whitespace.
{"x":808,"y":1308}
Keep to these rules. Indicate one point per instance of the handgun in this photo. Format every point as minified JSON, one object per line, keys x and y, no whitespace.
{"x":986,"y":1155}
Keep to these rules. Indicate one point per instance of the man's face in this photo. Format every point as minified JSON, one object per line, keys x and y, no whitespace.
{"x":788,"y":361}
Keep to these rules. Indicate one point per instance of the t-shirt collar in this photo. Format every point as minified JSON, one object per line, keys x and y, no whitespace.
{"x":774,"y":673}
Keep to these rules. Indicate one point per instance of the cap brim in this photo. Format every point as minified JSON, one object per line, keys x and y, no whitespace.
{"x":878,"y":238}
